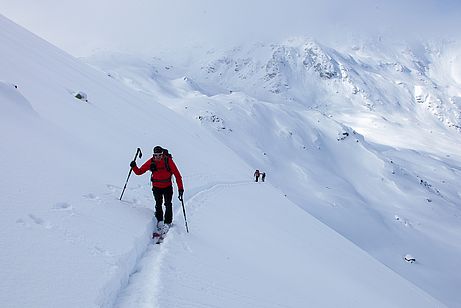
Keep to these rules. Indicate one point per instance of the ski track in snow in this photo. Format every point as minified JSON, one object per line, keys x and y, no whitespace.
{"x":144,"y":282}
{"x":159,"y":280}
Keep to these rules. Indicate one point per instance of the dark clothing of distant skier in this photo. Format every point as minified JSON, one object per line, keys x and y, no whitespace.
{"x":256,"y":175}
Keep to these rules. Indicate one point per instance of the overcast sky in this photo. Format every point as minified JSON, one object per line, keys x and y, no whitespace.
{"x":82,"y":26}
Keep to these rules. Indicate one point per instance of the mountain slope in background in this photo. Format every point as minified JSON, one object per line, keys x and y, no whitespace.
{"x":364,"y":138}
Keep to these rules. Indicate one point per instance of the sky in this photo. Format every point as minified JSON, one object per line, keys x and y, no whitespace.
{"x":82,"y":27}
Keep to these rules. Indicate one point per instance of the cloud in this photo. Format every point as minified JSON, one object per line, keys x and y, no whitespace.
{"x":82,"y":26}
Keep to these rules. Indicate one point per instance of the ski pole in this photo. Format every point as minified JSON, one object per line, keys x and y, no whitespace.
{"x":184,"y":211}
{"x":138,"y":151}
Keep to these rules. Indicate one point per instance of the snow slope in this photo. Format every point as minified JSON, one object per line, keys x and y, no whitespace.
{"x":346,"y":139}
{"x":262,"y":251}
{"x":67,"y":241}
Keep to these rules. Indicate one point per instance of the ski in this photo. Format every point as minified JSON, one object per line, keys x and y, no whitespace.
{"x":160,"y":236}
{"x":160,"y":239}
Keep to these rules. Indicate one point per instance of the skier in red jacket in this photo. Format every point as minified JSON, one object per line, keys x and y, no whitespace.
{"x":162,"y":167}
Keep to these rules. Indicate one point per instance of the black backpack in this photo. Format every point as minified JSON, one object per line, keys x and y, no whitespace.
{"x":166,"y":155}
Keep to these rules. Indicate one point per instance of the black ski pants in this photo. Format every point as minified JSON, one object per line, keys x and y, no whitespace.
{"x":161,"y":194}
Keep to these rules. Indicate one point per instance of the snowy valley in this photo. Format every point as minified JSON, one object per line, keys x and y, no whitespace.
{"x":360,"y":144}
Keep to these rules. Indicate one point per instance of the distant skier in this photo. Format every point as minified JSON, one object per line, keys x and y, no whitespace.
{"x":263,"y":176}
{"x":162,"y":167}
{"x":256,"y":175}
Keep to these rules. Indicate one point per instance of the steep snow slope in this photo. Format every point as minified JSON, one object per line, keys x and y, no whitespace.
{"x":66,"y":240}
{"x":261,"y":250}
{"x":346,"y":134}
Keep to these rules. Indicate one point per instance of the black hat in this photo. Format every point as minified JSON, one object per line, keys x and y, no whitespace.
{"x":158,"y":149}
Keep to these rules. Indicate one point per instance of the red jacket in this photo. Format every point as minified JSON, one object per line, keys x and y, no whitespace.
{"x":161,"y":178}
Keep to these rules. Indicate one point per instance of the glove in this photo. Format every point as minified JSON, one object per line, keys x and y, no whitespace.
{"x":133,"y":164}
{"x":181,"y":192}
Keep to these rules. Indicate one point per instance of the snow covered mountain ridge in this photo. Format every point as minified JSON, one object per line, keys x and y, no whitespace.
{"x":378,"y":75}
